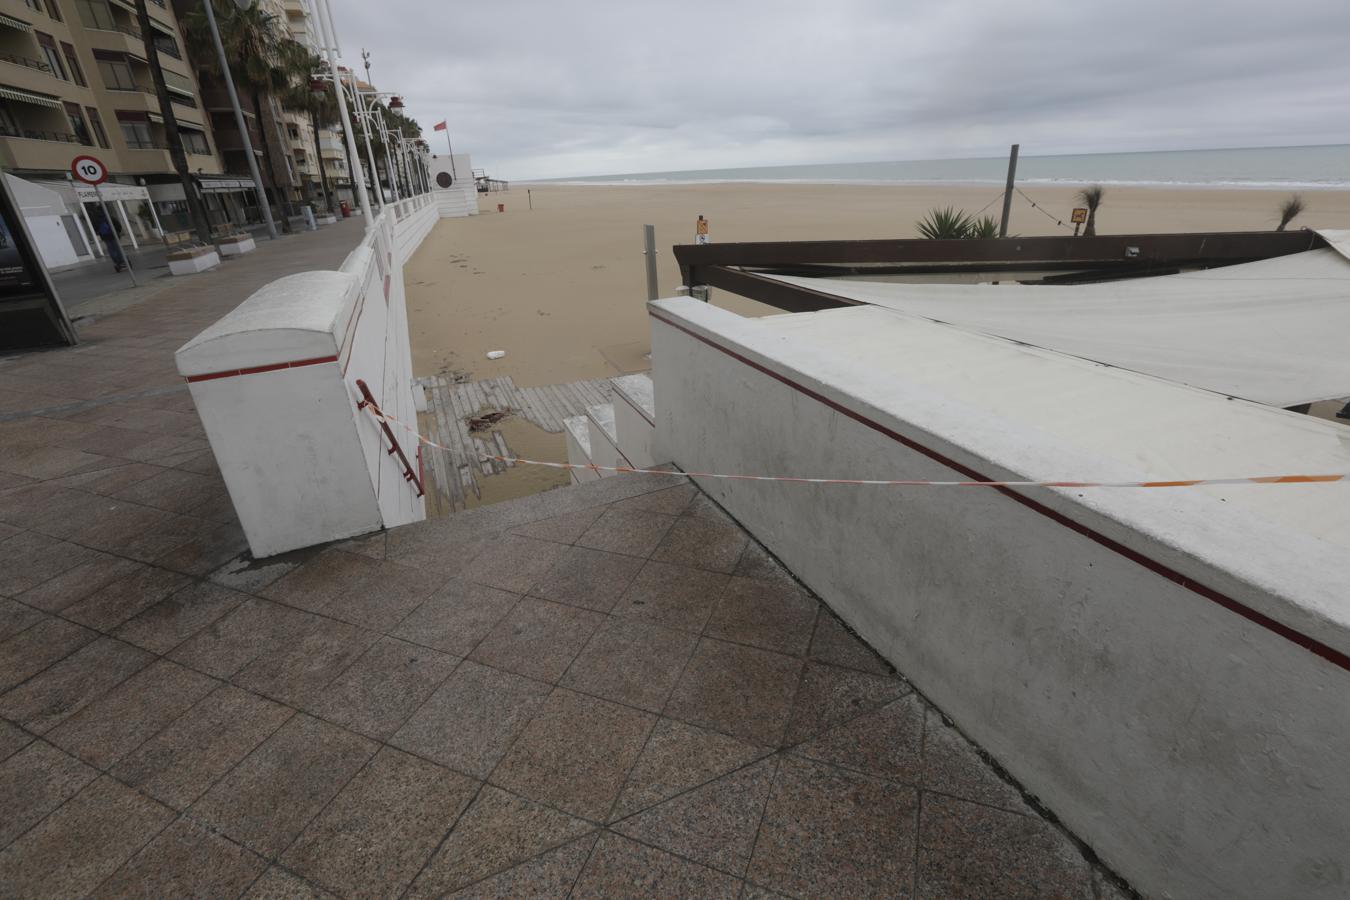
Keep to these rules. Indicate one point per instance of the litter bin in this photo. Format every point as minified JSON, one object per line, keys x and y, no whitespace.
{"x":346,"y":209}
{"x":501,"y":207}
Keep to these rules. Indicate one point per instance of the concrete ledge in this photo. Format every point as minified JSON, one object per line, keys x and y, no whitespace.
{"x":577,"y":431}
{"x":236,"y":245}
{"x":635,"y":418}
{"x":190,"y":260}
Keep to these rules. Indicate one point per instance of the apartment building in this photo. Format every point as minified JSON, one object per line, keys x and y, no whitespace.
{"x":74,"y":79}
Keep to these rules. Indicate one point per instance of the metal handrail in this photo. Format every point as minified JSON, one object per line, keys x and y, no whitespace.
{"x":408,"y":474}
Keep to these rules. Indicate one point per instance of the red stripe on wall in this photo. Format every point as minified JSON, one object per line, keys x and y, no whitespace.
{"x":1312,"y":645}
{"x":274,"y":367}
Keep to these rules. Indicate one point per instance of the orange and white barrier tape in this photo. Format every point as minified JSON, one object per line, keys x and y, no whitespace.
{"x":885,"y":482}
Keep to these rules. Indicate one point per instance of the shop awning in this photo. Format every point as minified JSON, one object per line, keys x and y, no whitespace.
{"x":16,"y":24}
{"x":226,"y":185}
{"x":10,"y":93}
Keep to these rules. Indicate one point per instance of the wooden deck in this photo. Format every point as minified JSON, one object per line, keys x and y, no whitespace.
{"x":456,"y":474}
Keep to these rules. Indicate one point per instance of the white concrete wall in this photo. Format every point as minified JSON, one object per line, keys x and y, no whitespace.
{"x":1201,"y":754}
{"x":274,"y":382}
{"x":461,"y":198}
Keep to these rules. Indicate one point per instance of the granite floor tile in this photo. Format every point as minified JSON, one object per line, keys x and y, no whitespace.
{"x":45,"y":462}
{"x":672,"y":500}
{"x":631,"y":662}
{"x":52,"y":697}
{"x":386,"y":596}
{"x":73,"y":585}
{"x":537,"y":638}
{"x":575,"y":754}
{"x":952,"y":765}
{"x":12,"y":739}
{"x":296,"y":672}
{"x":431,"y":545}
{"x":172,"y":490}
{"x":741,"y":691}
{"x":549,"y":876}
{"x":127,"y":529}
{"x":756,"y":562}
{"x":165,"y":625}
{"x":177,"y":765}
{"x":498,"y":832}
{"x":886,"y":743}
{"x":773,"y":615}
{"x":563,"y":529}
{"x":671,"y":595}
{"x":677,"y":758}
{"x":107,"y":821}
{"x":513,"y":563}
{"x":114,"y":603}
{"x":833,"y":643}
{"x":121,"y":720}
{"x":591,"y":579}
{"x":106,"y":482}
{"x":620,"y":868}
{"x":243,"y":573}
{"x":702,"y":542}
{"x":456,"y":617}
{"x":28,"y":559}
{"x":278,"y":884}
{"x":207,"y":552}
{"x":830,"y":695}
{"x":35,"y":781}
{"x":375,"y":836}
{"x":831,"y":833}
{"x":469,"y":721}
{"x":184,"y":860}
{"x":237,"y":638}
{"x":968,"y":850}
{"x":714,"y":824}
{"x":35,"y":648}
{"x":321,"y":580}
{"x":383,"y":688}
{"x":28,"y":505}
{"x":636,"y":532}
{"x":268,"y":799}
{"x":16,"y":618}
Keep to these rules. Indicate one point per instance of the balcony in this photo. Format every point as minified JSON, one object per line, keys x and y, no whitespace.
{"x":32,"y":75}
{"x":124,"y":39}
{"x":38,"y":149}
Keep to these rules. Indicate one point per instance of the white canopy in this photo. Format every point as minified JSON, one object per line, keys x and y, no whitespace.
{"x":1275,"y":331}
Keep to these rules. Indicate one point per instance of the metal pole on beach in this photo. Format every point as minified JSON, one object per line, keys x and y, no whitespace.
{"x":108,"y":215}
{"x":649,"y":251}
{"x":1008,"y":191}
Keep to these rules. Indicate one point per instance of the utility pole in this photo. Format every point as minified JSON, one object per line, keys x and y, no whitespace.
{"x":1008,"y":192}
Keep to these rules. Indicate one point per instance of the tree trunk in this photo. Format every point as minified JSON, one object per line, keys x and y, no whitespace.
{"x":196,"y":212}
{"x":318,"y":158}
{"x":1090,"y":229}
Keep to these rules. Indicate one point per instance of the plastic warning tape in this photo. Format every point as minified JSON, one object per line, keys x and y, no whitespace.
{"x":884,"y":482}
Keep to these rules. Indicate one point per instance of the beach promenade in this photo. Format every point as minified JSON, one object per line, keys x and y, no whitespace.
{"x":606,"y":690}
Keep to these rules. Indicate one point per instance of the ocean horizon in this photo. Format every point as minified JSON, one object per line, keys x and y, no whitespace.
{"x":1317,"y":167}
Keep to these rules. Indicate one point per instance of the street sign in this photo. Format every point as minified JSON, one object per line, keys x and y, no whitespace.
{"x":89,"y":170}
{"x":1079,"y":215}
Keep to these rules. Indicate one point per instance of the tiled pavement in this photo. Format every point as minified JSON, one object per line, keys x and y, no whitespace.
{"x":598,"y":691}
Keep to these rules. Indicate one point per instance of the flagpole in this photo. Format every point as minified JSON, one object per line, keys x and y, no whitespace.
{"x":445,"y":126}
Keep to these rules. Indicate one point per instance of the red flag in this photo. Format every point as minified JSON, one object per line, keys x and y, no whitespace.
{"x":440,"y":126}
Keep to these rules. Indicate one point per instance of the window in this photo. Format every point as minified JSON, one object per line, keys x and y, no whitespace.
{"x":116,"y":75}
{"x":8,"y":126}
{"x":96,"y":14}
{"x":35,"y":5}
{"x":73,"y":63}
{"x":167,"y":45}
{"x":97,"y":122}
{"x":54,"y":11}
{"x":194,"y":141}
{"x":136,"y":130}
{"x":77,"y":126}
{"x":51,"y":55}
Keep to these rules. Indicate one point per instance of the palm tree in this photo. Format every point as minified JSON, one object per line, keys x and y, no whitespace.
{"x":944,"y":224}
{"x":1289,"y":209}
{"x":319,"y":105}
{"x":1091,"y":197}
{"x":252,"y":39}
{"x":196,"y":212}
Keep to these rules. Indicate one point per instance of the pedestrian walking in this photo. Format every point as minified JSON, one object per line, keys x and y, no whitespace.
{"x":108,"y":235}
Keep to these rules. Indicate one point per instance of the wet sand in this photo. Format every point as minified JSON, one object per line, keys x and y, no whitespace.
{"x":562,"y":288}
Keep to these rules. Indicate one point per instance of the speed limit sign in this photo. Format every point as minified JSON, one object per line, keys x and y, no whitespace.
{"x":89,"y":170}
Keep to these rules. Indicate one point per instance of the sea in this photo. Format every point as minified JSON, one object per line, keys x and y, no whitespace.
{"x":1323,"y":167}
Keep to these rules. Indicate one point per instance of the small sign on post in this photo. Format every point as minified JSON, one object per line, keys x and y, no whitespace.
{"x":1078,"y":218}
{"x":701,"y":231}
{"x":91,"y":170}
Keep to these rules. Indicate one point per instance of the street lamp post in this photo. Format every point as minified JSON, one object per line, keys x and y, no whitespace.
{"x":239,"y":118}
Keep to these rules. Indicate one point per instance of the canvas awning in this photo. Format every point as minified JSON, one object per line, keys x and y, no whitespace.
{"x":10,"y":93}
{"x":17,"y":24}
{"x":1273,"y":331}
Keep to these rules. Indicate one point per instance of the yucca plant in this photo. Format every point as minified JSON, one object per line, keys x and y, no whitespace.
{"x":944,"y":224}
{"x":983,"y":227}
{"x":1289,"y":209}
{"x":1091,"y":197}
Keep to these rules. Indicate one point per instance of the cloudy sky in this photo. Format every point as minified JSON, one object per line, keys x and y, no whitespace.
{"x":539,"y":89}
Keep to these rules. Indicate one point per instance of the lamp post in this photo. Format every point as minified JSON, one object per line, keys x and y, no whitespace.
{"x":239,"y":116}
{"x":330,"y":45}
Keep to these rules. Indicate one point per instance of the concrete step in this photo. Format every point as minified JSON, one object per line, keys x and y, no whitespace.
{"x":604,"y":440}
{"x":578,"y":437}
{"x":635,"y":418}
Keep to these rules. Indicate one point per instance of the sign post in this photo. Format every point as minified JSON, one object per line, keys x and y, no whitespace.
{"x":93,"y":172}
{"x":1079,"y":217}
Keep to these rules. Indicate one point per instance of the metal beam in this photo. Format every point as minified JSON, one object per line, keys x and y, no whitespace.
{"x":787,"y":297}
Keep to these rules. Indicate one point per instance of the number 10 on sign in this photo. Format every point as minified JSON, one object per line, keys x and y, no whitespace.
{"x":91,"y":170}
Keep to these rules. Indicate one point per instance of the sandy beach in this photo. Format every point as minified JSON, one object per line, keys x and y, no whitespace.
{"x":561,"y":288}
